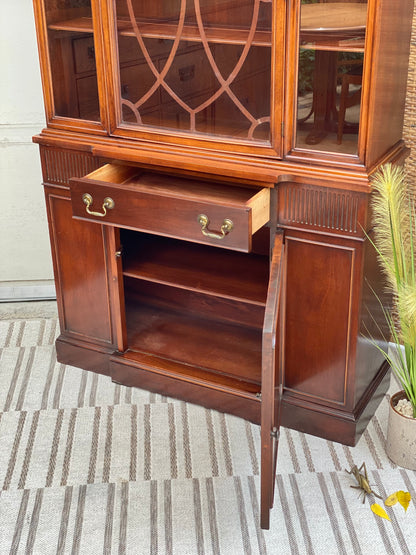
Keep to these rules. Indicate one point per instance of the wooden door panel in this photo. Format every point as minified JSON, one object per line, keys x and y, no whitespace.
{"x":271,"y":382}
{"x":79,"y":259}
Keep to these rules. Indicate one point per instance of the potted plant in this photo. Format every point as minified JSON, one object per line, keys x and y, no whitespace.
{"x":395,"y":241}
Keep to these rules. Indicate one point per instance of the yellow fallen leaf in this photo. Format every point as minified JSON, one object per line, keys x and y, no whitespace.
{"x":403,"y":497}
{"x":391,"y":500}
{"x":379,"y":511}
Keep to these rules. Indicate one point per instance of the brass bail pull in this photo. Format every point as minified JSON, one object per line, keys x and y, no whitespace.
{"x":227,"y":226}
{"x":107,"y":204}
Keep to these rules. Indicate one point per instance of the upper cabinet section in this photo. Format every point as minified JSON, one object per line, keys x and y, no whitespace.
{"x":330,"y":75}
{"x":300,"y":80}
{"x":196,"y":67}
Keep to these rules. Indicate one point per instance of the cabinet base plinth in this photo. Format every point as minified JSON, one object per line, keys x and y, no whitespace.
{"x":83,"y":355}
{"x":160,"y":379}
{"x":339,"y":426}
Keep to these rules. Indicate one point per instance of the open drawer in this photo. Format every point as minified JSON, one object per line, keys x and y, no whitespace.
{"x":203,"y":212}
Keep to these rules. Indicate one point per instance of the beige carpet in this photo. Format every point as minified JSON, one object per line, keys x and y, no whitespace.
{"x":91,"y":467}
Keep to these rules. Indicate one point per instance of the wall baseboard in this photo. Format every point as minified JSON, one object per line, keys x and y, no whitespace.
{"x":27,"y":291}
{"x":12,"y":134}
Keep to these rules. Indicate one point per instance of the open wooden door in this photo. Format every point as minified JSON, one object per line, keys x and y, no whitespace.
{"x":272,"y":379}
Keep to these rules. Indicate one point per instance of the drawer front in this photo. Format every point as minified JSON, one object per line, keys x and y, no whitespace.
{"x":170,"y":214}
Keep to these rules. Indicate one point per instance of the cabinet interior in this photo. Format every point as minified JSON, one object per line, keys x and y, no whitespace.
{"x":211,"y":300}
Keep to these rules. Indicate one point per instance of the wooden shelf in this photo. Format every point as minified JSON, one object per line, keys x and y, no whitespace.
{"x":204,"y":269}
{"x":232,"y":131}
{"x":169,"y":30}
{"x":79,"y":25}
{"x":206,"y":348}
{"x":336,"y":37}
{"x":191,"y":33}
{"x":351,"y":45}
{"x":214,"y":34}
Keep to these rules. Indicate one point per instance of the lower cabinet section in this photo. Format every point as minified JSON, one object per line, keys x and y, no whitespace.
{"x":270,"y":328}
{"x":191,"y":325}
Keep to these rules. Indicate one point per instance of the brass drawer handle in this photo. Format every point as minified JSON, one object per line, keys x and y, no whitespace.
{"x":108,"y":203}
{"x":227,"y":226}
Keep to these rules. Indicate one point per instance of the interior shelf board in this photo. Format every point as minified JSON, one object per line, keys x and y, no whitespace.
{"x":208,"y":270}
{"x":220,"y":35}
{"x":212,"y":347}
{"x":238,"y":133}
{"x":191,"y":33}
{"x":335,"y":46}
{"x":169,"y":31}
{"x":80,"y":25}
{"x":200,"y":288}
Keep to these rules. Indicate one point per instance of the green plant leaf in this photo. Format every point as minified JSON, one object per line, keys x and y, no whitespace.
{"x":394,"y":241}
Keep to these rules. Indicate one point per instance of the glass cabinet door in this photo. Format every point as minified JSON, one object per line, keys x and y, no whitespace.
{"x":70,"y":36}
{"x":331,"y":57}
{"x":201,"y":67}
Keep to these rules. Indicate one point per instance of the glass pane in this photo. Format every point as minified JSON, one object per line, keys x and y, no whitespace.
{"x":199,"y":66}
{"x":331,"y":58}
{"x":72,"y":57}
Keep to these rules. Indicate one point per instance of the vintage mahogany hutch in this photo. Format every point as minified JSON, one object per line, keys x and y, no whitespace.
{"x":207,"y":171}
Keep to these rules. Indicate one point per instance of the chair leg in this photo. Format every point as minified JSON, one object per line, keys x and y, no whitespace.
{"x":342,"y":108}
{"x":346,"y":100}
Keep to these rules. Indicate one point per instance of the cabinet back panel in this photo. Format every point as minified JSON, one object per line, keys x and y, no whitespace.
{"x":207,"y":306}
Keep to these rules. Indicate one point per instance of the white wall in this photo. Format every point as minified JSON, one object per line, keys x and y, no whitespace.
{"x":25,"y":260}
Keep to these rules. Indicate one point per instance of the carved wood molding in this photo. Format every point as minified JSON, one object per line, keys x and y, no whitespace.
{"x":308,"y":206}
{"x":58,"y":166}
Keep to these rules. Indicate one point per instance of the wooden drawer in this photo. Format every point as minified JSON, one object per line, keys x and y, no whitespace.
{"x":189,"y":75}
{"x":129,"y":50}
{"x":171,"y":206}
{"x":84,"y":54}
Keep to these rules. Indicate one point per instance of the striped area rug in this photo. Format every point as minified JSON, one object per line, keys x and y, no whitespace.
{"x":91,"y":467}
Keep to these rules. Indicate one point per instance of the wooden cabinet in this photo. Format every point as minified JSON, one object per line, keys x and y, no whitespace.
{"x":207,"y":169}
